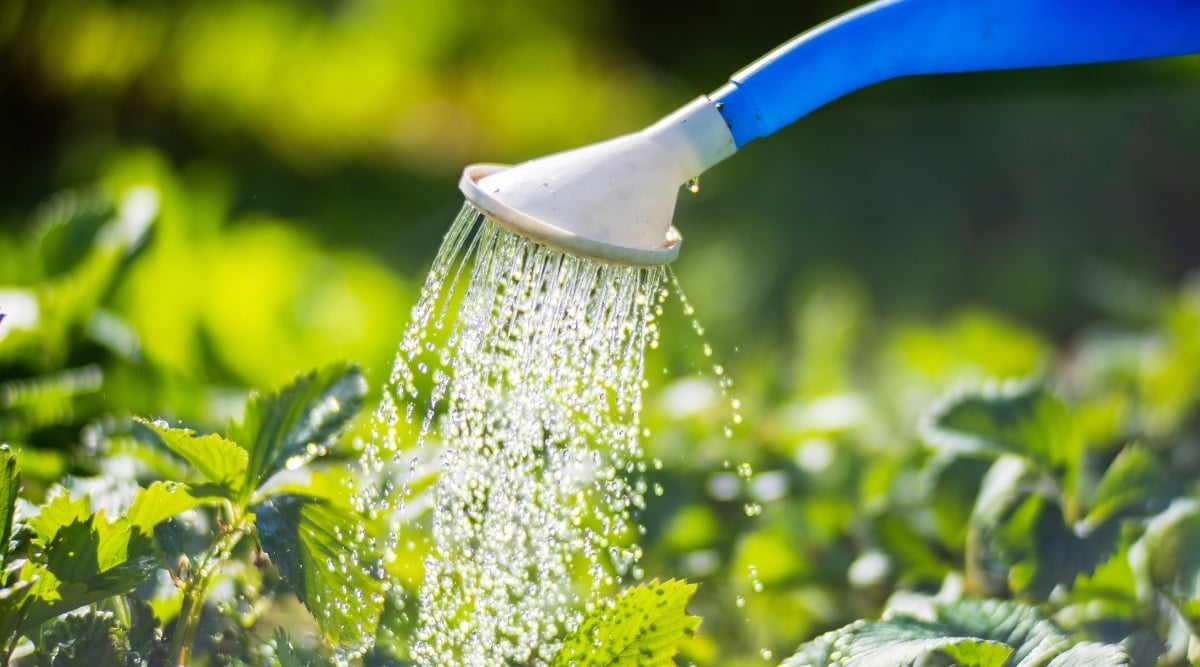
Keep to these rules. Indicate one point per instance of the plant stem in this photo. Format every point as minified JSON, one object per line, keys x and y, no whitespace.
{"x":197,"y":586}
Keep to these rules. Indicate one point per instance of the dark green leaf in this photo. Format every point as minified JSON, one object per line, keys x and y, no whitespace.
{"x":298,"y":421}
{"x":319,"y":552}
{"x":93,"y":637}
{"x":643,"y":627}
{"x":1020,"y":539}
{"x":1024,"y":419}
{"x":916,"y":553}
{"x":96,"y":637}
{"x":10,"y":485}
{"x":953,"y":482}
{"x":1136,"y":483}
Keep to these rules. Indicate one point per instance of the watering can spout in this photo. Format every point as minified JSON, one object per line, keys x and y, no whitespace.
{"x":614,"y":201}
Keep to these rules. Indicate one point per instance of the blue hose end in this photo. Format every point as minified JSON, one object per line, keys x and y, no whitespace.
{"x":743,"y":120}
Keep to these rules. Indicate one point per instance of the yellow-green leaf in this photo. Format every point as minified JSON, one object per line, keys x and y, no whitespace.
{"x":642,"y":628}
{"x":219,"y":461}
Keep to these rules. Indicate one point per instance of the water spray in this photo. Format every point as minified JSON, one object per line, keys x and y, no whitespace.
{"x":614,"y":201}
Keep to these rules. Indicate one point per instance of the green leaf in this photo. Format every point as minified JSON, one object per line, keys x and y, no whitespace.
{"x":157,"y":503}
{"x":93,"y":637}
{"x":219,"y":461}
{"x":1167,"y":558}
{"x":1135,"y":482}
{"x":1092,"y":653}
{"x":917,"y":554}
{"x":1022,"y":419}
{"x":80,"y":557}
{"x":296,"y":423}
{"x":953,"y":484}
{"x":97,"y":637}
{"x":319,"y":551}
{"x":10,"y":485}
{"x":987,"y":633}
{"x":60,"y":511}
{"x":642,"y":627}
{"x":1033,"y":638}
{"x":87,"y":561}
{"x":1019,"y":538}
{"x":902,"y":640}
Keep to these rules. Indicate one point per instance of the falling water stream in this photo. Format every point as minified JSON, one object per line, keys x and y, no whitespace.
{"x":529,"y":365}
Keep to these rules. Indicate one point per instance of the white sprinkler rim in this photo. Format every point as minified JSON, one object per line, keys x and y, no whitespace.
{"x":556,"y":237}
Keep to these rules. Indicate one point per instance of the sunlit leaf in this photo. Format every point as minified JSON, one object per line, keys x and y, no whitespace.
{"x":1022,"y":419}
{"x":61,"y":510}
{"x":642,"y":627}
{"x":219,"y":461}
{"x":319,"y":551}
{"x":87,"y":561}
{"x":296,"y":423}
{"x":157,"y":503}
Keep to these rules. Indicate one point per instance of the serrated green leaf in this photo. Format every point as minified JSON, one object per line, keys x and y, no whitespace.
{"x":1134,"y":482}
{"x":818,"y":652}
{"x":1024,"y":419}
{"x":298,"y":421}
{"x":1033,"y":638}
{"x":157,"y":503}
{"x":642,"y":627}
{"x":92,"y":637}
{"x":60,"y":511}
{"x":902,"y":640}
{"x":988,"y":633}
{"x":1092,"y":654}
{"x":87,"y":561}
{"x":219,"y":461}
{"x":97,"y":637}
{"x":319,"y":553}
{"x":10,"y":485}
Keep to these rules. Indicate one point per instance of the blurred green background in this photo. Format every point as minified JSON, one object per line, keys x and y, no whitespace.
{"x":275,"y":178}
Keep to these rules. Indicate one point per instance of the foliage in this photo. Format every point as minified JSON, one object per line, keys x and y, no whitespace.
{"x":642,"y":626}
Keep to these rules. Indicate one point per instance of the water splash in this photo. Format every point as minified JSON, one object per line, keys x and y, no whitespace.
{"x":536,"y":361}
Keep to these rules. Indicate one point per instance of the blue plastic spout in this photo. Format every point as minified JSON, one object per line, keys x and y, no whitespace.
{"x":894,"y":38}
